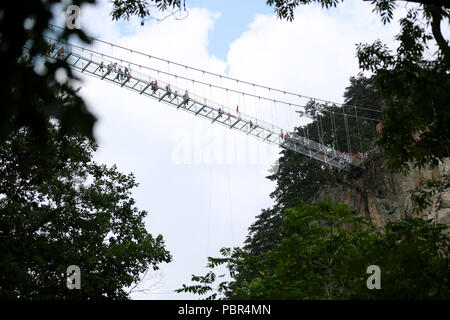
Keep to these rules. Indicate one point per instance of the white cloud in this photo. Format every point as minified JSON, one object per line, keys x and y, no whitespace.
{"x":314,"y":55}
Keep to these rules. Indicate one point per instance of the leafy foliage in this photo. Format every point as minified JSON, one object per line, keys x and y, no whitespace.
{"x":124,"y":9}
{"x":285,"y":8}
{"x":325,"y":255}
{"x":416,"y":117}
{"x":25,"y":23}
{"x":265,"y":232}
{"x":421,"y":196}
{"x":414,"y":258}
{"x":64,"y":209}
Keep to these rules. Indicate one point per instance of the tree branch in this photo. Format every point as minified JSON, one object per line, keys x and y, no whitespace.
{"x":436,"y":18}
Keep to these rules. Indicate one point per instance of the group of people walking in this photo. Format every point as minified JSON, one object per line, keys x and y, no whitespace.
{"x":122,"y":72}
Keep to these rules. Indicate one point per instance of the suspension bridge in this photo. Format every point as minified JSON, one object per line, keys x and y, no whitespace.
{"x":124,"y":74}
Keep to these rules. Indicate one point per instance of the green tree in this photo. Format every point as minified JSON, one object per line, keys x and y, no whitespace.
{"x":325,"y":255}
{"x":265,"y":232}
{"x":25,"y":23}
{"x":64,"y":209}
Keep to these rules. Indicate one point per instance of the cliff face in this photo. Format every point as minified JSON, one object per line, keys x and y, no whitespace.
{"x":383,"y":196}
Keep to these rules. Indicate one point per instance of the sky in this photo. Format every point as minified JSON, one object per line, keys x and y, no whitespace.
{"x":202,"y":184}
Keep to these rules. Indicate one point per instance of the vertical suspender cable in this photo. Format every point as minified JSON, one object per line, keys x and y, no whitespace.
{"x":255,"y":104}
{"x":168,"y":73}
{"x":359,"y":133}
{"x":347,"y":134}
{"x":271,"y":108}
{"x":335,"y":130}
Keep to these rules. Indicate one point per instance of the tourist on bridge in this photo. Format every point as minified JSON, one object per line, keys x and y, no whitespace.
{"x":346,"y":156}
{"x":115,"y":67}
{"x":186,"y":97}
{"x":61,"y":52}
{"x":154,"y":85}
{"x":101,"y":67}
{"x":119,"y":74}
{"x":169,"y":92}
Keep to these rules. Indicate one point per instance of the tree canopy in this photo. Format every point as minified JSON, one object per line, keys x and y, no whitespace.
{"x":64,"y":209}
{"x":325,"y":254}
{"x":25,"y":23}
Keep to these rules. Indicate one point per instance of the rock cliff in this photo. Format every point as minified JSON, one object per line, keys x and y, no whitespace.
{"x":383,"y":196}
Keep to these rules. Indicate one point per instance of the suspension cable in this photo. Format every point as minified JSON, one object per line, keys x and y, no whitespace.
{"x":226,"y":77}
{"x":347,"y":134}
{"x":359,"y":133}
